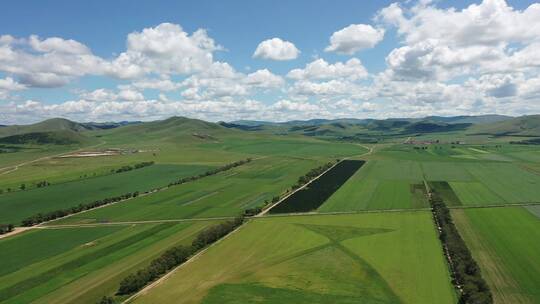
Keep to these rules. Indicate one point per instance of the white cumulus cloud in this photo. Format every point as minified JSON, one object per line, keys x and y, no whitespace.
{"x":320,"y":69}
{"x":354,"y":38}
{"x":276,"y":49}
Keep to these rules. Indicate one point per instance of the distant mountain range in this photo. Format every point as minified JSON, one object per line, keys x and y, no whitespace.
{"x":351,"y":128}
{"x":479,"y":119}
{"x":64,"y":131}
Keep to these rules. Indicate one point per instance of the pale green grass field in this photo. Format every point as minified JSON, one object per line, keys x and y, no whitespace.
{"x":364,"y":258}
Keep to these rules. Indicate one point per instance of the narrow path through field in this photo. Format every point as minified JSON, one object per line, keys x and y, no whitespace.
{"x":15,"y":231}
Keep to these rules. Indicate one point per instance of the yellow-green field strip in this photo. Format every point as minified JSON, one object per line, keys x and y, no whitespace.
{"x":495,"y":206}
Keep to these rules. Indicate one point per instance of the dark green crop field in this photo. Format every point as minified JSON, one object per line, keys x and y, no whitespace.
{"x":316,"y":193}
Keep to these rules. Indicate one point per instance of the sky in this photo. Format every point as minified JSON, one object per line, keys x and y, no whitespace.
{"x":267,"y":60}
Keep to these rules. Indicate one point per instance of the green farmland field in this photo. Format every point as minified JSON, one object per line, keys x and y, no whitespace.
{"x":380,"y":184}
{"x":505,"y":241}
{"x":16,"y":206}
{"x":80,"y":265}
{"x":365,"y":258}
{"x":224,"y":194}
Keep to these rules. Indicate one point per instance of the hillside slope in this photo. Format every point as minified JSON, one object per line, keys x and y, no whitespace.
{"x":520,"y":126}
{"x":49,"y":125}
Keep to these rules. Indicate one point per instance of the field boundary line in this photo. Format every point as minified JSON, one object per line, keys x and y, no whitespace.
{"x":170,"y":273}
{"x":314,"y":213}
{"x":82,"y":225}
{"x":265,"y":211}
{"x":91,"y":225}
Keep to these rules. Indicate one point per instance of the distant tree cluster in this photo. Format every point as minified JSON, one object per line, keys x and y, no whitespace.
{"x":44,"y":217}
{"x":174,"y":257}
{"x":134,"y":167}
{"x":5,"y":228}
{"x":254,"y":211}
{"x":534,"y":141}
{"x":306,"y":178}
{"x":42,"y":184}
{"x":466,"y":273}
{"x":210,"y":172}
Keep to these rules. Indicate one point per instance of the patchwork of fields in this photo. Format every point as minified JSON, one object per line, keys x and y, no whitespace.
{"x":385,"y":249}
{"x":82,"y":264}
{"x":365,"y":258}
{"x":225,"y":194}
{"x":385,"y":183}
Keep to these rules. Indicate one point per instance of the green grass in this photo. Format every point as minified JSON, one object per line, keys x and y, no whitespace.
{"x":379,"y":184}
{"x":91,"y":266}
{"x":508,"y":181}
{"x":475,"y":193}
{"x":364,"y":258}
{"x":20,"y":251}
{"x":447,"y":171}
{"x":16,"y":206}
{"x":224,"y":194}
{"x":286,"y":147}
{"x":505,"y":243}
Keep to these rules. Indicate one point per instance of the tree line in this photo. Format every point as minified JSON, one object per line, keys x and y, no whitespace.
{"x":5,"y":228}
{"x":45,"y":183}
{"x":210,"y":172}
{"x":466,"y":273}
{"x":43,"y":217}
{"x":134,"y":167}
{"x":304,"y":179}
{"x":174,"y":257}
{"x":49,"y":216}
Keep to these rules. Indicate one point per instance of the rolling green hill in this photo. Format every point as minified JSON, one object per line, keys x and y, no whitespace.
{"x":521,"y":126}
{"x":49,"y":125}
{"x":61,"y":137}
{"x":177,"y":129}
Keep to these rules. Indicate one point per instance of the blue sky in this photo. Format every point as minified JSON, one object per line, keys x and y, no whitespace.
{"x":405,"y":67}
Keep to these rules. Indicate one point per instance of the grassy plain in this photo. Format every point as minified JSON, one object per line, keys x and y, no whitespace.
{"x":81,"y":265}
{"x":363,"y":258}
{"x":505,"y":241}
